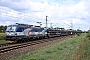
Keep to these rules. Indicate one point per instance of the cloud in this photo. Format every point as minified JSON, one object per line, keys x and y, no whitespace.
{"x":15,"y":5}
{"x":31,"y":11}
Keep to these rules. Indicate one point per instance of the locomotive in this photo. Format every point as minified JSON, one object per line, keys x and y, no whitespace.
{"x":22,"y":32}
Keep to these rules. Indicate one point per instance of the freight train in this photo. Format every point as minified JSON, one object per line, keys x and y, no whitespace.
{"x":23,"y":32}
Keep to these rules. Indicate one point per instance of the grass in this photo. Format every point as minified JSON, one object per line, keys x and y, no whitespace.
{"x":2,"y":41}
{"x":88,"y":35}
{"x":83,"y":50}
{"x":71,"y":49}
{"x":2,"y":35}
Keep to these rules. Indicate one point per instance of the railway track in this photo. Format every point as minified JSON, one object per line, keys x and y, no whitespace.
{"x":6,"y":44}
{"x":9,"y":48}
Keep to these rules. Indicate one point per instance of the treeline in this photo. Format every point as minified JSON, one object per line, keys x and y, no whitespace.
{"x":3,"y":29}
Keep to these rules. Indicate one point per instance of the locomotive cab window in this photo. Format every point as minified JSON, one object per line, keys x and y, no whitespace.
{"x":11,"y":29}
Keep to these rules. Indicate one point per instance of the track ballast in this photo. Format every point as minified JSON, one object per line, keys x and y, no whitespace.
{"x":9,"y":48}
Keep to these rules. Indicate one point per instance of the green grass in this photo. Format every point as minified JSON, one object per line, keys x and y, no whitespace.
{"x":2,"y":35}
{"x":83,"y":50}
{"x":88,"y":35}
{"x":3,"y":41}
{"x":65,"y":50}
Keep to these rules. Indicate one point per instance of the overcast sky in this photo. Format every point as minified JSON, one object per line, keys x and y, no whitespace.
{"x":61,"y":13}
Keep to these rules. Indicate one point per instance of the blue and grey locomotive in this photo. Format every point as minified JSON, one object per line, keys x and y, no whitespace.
{"x":21,"y":32}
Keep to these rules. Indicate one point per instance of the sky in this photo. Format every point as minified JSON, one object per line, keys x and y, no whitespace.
{"x":61,"y":13}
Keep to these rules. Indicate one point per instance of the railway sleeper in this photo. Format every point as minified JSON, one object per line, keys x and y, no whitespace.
{"x":15,"y":47}
{"x":29,"y":45}
{"x":33,"y":43}
{"x":24,"y":45}
{"x":20,"y":46}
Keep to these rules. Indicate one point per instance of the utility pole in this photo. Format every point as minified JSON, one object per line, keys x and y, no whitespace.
{"x":71,"y":25}
{"x":51,"y":25}
{"x":46,"y":21}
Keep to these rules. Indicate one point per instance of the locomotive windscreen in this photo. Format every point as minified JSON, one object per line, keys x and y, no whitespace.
{"x":15,"y":28}
{"x":11,"y":28}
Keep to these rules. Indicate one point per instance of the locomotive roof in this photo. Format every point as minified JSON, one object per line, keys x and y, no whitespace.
{"x":16,"y":25}
{"x":21,"y":25}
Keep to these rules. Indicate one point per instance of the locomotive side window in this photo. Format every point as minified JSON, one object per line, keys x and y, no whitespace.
{"x":33,"y":30}
{"x":36,"y":30}
{"x":20,"y":29}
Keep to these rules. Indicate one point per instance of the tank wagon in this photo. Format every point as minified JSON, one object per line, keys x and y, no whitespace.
{"x":23,"y":32}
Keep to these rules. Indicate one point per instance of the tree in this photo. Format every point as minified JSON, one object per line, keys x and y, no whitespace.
{"x":3,"y":28}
